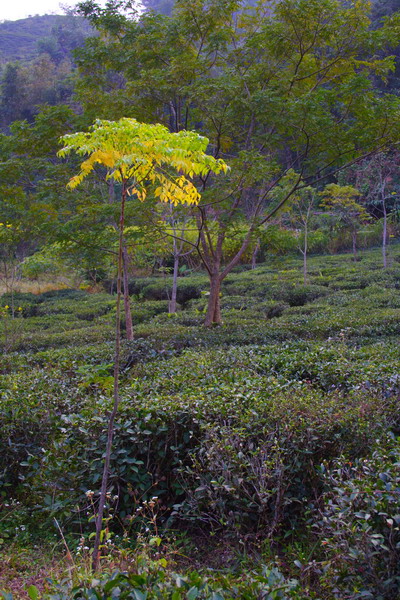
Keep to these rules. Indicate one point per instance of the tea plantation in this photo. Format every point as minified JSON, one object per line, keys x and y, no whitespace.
{"x":259,"y":459}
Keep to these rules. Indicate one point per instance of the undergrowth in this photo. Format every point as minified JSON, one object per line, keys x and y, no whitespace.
{"x":275,"y":434}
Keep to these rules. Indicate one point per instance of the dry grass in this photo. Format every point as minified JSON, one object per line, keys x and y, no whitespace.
{"x":21,"y":568}
{"x":45,"y":567}
{"x":34,"y":287}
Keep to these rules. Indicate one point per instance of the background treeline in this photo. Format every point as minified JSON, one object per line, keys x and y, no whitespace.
{"x":37,"y":64}
{"x":241,"y":76}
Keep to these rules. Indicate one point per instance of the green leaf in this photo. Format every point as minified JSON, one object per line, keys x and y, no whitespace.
{"x":138,"y":595}
{"x":33,"y":592}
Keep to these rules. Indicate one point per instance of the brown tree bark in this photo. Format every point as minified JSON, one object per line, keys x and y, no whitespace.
{"x":213,"y":315}
{"x":111,"y":420}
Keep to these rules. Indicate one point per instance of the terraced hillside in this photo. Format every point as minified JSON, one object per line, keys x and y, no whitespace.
{"x":274,"y":435}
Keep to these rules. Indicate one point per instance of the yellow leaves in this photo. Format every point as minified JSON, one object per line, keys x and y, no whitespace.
{"x":140,"y":193}
{"x":75,"y":181}
{"x":177,"y":191}
{"x":343,"y":199}
{"x":143,"y":155}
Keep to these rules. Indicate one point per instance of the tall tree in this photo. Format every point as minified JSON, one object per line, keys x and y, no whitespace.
{"x":143,"y":159}
{"x":13,"y":103}
{"x":32,"y":195}
{"x":276,"y":87}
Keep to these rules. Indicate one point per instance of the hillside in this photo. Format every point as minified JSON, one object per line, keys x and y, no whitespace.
{"x":24,"y":39}
{"x":272,"y":436}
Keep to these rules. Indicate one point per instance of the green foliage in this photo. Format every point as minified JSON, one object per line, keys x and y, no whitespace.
{"x":160,"y":288}
{"x":152,"y":578}
{"x":359,"y":523}
{"x":152,"y":581}
{"x":227,"y":426}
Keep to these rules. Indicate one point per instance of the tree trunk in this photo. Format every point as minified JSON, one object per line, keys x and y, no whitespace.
{"x":213,"y":316}
{"x":111,"y":419}
{"x":127,"y":305}
{"x":172,"y":302}
{"x":305,"y":255}
{"x":384,"y":236}
{"x":354,"y":235}
{"x":254,"y":255}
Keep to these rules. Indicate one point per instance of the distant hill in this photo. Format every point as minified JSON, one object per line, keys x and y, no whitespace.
{"x":24,"y":39}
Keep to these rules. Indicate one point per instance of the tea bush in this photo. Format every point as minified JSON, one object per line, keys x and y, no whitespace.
{"x":359,"y":524}
{"x":153,"y":581}
{"x":159,"y":288}
{"x":228,"y":426}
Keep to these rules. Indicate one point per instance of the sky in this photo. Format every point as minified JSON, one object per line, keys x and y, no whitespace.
{"x":11,"y":10}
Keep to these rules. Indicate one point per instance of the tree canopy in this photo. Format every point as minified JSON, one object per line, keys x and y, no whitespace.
{"x":141,"y":154}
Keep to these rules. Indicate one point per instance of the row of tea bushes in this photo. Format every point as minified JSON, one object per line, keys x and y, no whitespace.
{"x":246,"y":430}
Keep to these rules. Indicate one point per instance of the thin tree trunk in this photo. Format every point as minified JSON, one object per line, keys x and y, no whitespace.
{"x":110,"y":429}
{"x":172,"y":302}
{"x":354,"y":235}
{"x":254,"y":255}
{"x":213,"y":315}
{"x":127,"y":304}
{"x":305,"y":255}
{"x":125,"y":263}
{"x":384,"y":236}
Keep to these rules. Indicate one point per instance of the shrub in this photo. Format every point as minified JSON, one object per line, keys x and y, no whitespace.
{"x":359,"y":524}
{"x":157,"y":288}
{"x":259,"y":470}
{"x":153,"y":581}
{"x":28,"y":302}
{"x":298,"y":295}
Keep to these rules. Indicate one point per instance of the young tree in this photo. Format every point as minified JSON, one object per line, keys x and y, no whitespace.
{"x":143,"y":159}
{"x":275,"y":86}
{"x":341,"y":200}
{"x":378,"y":178}
{"x":301,"y":213}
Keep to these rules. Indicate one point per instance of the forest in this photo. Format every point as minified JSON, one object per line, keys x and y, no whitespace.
{"x":200,"y":301}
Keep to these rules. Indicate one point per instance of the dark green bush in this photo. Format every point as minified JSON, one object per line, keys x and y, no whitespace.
{"x":152,"y":581}
{"x":260,"y":470}
{"x":148,"y":449}
{"x":359,"y":524}
{"x":31,"y":404}
{"x":157,"y":288}
{"x":298,"y":295}
{"x":159,"y":291}
{"x":229,"y":425}
{"x":64,"y":294}
{"x":28,"y":302}
{"x":19,"y":298}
